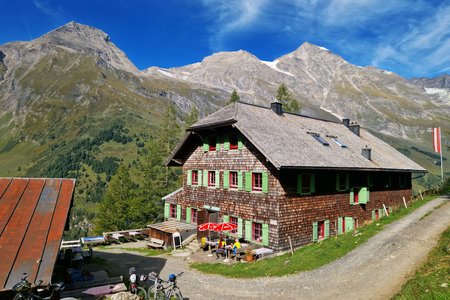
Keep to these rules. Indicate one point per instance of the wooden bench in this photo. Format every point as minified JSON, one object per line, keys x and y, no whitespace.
{"x":155,"y":243}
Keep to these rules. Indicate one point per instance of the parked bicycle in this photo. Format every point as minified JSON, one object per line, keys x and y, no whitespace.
{"x":161,"y":289}
{"x":24,"y":290}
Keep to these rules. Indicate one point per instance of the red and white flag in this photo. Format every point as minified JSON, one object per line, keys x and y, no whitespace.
{"x":437,"y":139}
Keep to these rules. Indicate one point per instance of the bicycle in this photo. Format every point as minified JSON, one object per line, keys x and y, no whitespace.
{"x":161,"y":289}
{"x":24,"y":290}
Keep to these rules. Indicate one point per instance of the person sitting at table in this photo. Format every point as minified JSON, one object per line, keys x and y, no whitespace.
{"x":236,"y":246}
{"x":220,"y":247}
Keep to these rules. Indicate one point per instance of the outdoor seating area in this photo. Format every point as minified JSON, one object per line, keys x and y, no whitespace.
{"x":228,"y":246}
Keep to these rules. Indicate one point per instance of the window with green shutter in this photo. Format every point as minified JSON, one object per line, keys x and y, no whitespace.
{"x":199,"y":178}
{"x":179,"y":212}
{"x":226,"y":142}
{"x":248,"y":230}
{"x":349,"y":226}
{"x":218,"y":143}
{"x":373,"y":215}
{"x":226,"y":179}
{"x":240,"y":227}
{"x":206,"y":144}
{"x":265,"y":234}
{"x":217,"y":182}
{"x":340,"y":225}
{"x":226,"y":219}
{"x":306,"y":184}
{"x":240,"y":180}
{"x":363,"y":195}
{"x":240,"y":142}
{"x":166,"y":210}
{"x":205,"y":178}
{"x":248,"y":181}
{"x":327,"y":229}
{"x":265,"y":182}
{"x":342,"y":182}
{"x":189,"y":177}
{"x":188,"y":215}
{"x":315,"y":231}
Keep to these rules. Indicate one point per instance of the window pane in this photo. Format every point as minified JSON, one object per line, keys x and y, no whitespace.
{"x":211,"y":178}
{"x":257,"y":181}
{"x":233,"y":179}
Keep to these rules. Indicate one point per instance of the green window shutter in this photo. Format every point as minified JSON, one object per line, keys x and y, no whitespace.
{"x":299,"y":184}
{"x":206,"y":144}
{"x":205,"y":178}
{"x":248,"y":181}
{"x":199,"y":178}
{"x":240,"y":142}
{"x":340,"y":225}
{"x":347,"y":181}
{"x":226,"y":142}
{"x":348,"y":224}
{"x":312,"y":184}
{"x":218,"y":143}
{"x":240,"y":181}
{"x":265,"y":182}
{"x":226,"y":179}
{"x":226,"y":219}
{"x":189,"y":177}
{"x":179,"y":212}
{"x":315,"y":231}
{"x":373,"y":215}
{"x":381,"y":212}
{"x":265,"y":234}
{"x":352,"y":196}
{"x":217,"y":179}
{"x":188,"y":215}
{"x":240,"y":227}
{"x":362,"y":195}
{"x":248,"y":230}
{"x":166,"y":210}
{"x":327,"y":229}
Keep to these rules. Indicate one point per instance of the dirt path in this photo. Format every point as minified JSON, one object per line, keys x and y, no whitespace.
{"x":376,"y":270}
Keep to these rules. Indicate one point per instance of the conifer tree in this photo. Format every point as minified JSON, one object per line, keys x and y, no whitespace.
{"x":285,"y":97}
{"x":234,"y":97}
{"x":191,"y":118}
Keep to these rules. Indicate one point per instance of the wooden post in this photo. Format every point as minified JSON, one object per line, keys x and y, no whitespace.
{"x":420,"y":193}
{"x":385,"y":210}
{"x":404,"y":202}
{"x":290,"y":243}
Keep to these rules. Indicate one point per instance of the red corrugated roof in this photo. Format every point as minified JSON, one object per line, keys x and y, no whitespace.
{"x":33,"y":214}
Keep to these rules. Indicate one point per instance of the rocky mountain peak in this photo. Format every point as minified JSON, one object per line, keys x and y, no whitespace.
{"x":440,"y":82}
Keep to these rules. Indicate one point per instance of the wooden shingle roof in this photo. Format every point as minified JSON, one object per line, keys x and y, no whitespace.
{"x":287,"y":140}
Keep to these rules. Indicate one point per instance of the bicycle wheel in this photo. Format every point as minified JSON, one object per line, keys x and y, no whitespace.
{"x":178,"y":295}
{"x":142,"y":293}
{"x":159,"y":294}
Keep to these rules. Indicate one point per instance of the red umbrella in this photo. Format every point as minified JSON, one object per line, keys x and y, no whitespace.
{"x":207,"y":226}
{"x":225,"y":227}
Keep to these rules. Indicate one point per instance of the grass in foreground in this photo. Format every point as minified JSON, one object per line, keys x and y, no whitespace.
{"x":432,"y":279}
{"x":311,"y":256}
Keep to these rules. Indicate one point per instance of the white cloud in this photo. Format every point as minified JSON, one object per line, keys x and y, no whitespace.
{"x":230,"y":17}
{"x":50,"y":9}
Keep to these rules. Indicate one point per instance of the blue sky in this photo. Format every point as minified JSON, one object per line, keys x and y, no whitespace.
{"x":409,"y":37}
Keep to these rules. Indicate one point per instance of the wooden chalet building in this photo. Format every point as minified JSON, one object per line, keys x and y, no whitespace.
{"x":279,"y":175}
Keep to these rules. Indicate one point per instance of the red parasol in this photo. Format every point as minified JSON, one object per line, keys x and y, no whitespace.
{"x":225,"y":227}
{"x":207,"y":226}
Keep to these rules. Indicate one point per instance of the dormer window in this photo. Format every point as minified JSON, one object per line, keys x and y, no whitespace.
{"x":212,"y":143}
{"x":233,"y":141}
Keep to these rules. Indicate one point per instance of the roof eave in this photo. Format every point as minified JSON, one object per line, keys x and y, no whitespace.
{"x":352,"y":169}
{"x":211,"y":125}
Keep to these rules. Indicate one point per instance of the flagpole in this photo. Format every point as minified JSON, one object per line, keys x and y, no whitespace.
{"x":442,"y":167}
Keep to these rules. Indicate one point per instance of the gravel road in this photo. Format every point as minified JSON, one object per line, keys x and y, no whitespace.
{"x":375,"y":270}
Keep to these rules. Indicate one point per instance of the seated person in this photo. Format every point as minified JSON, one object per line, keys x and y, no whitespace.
{"x":220,"y":247}
{"x":236,"y":246}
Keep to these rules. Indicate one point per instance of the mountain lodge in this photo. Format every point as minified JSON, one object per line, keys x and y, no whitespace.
{"x":281,"y":176}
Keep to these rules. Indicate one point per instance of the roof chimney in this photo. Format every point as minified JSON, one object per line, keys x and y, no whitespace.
{"x":277,"y":107}
{"x":367,"y":153}
{"x":346,"y":122}
{"x":353,"y":127}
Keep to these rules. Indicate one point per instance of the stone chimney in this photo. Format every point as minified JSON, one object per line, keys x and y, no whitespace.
{"x":367,"y":153}
{"x":277,"y":107}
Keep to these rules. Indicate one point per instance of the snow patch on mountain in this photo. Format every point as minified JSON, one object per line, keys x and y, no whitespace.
{"x":273,"y":65}
{"x":166,"y":73}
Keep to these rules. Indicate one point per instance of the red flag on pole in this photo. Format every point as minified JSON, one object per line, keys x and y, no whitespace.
{"x":437,"y":139}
